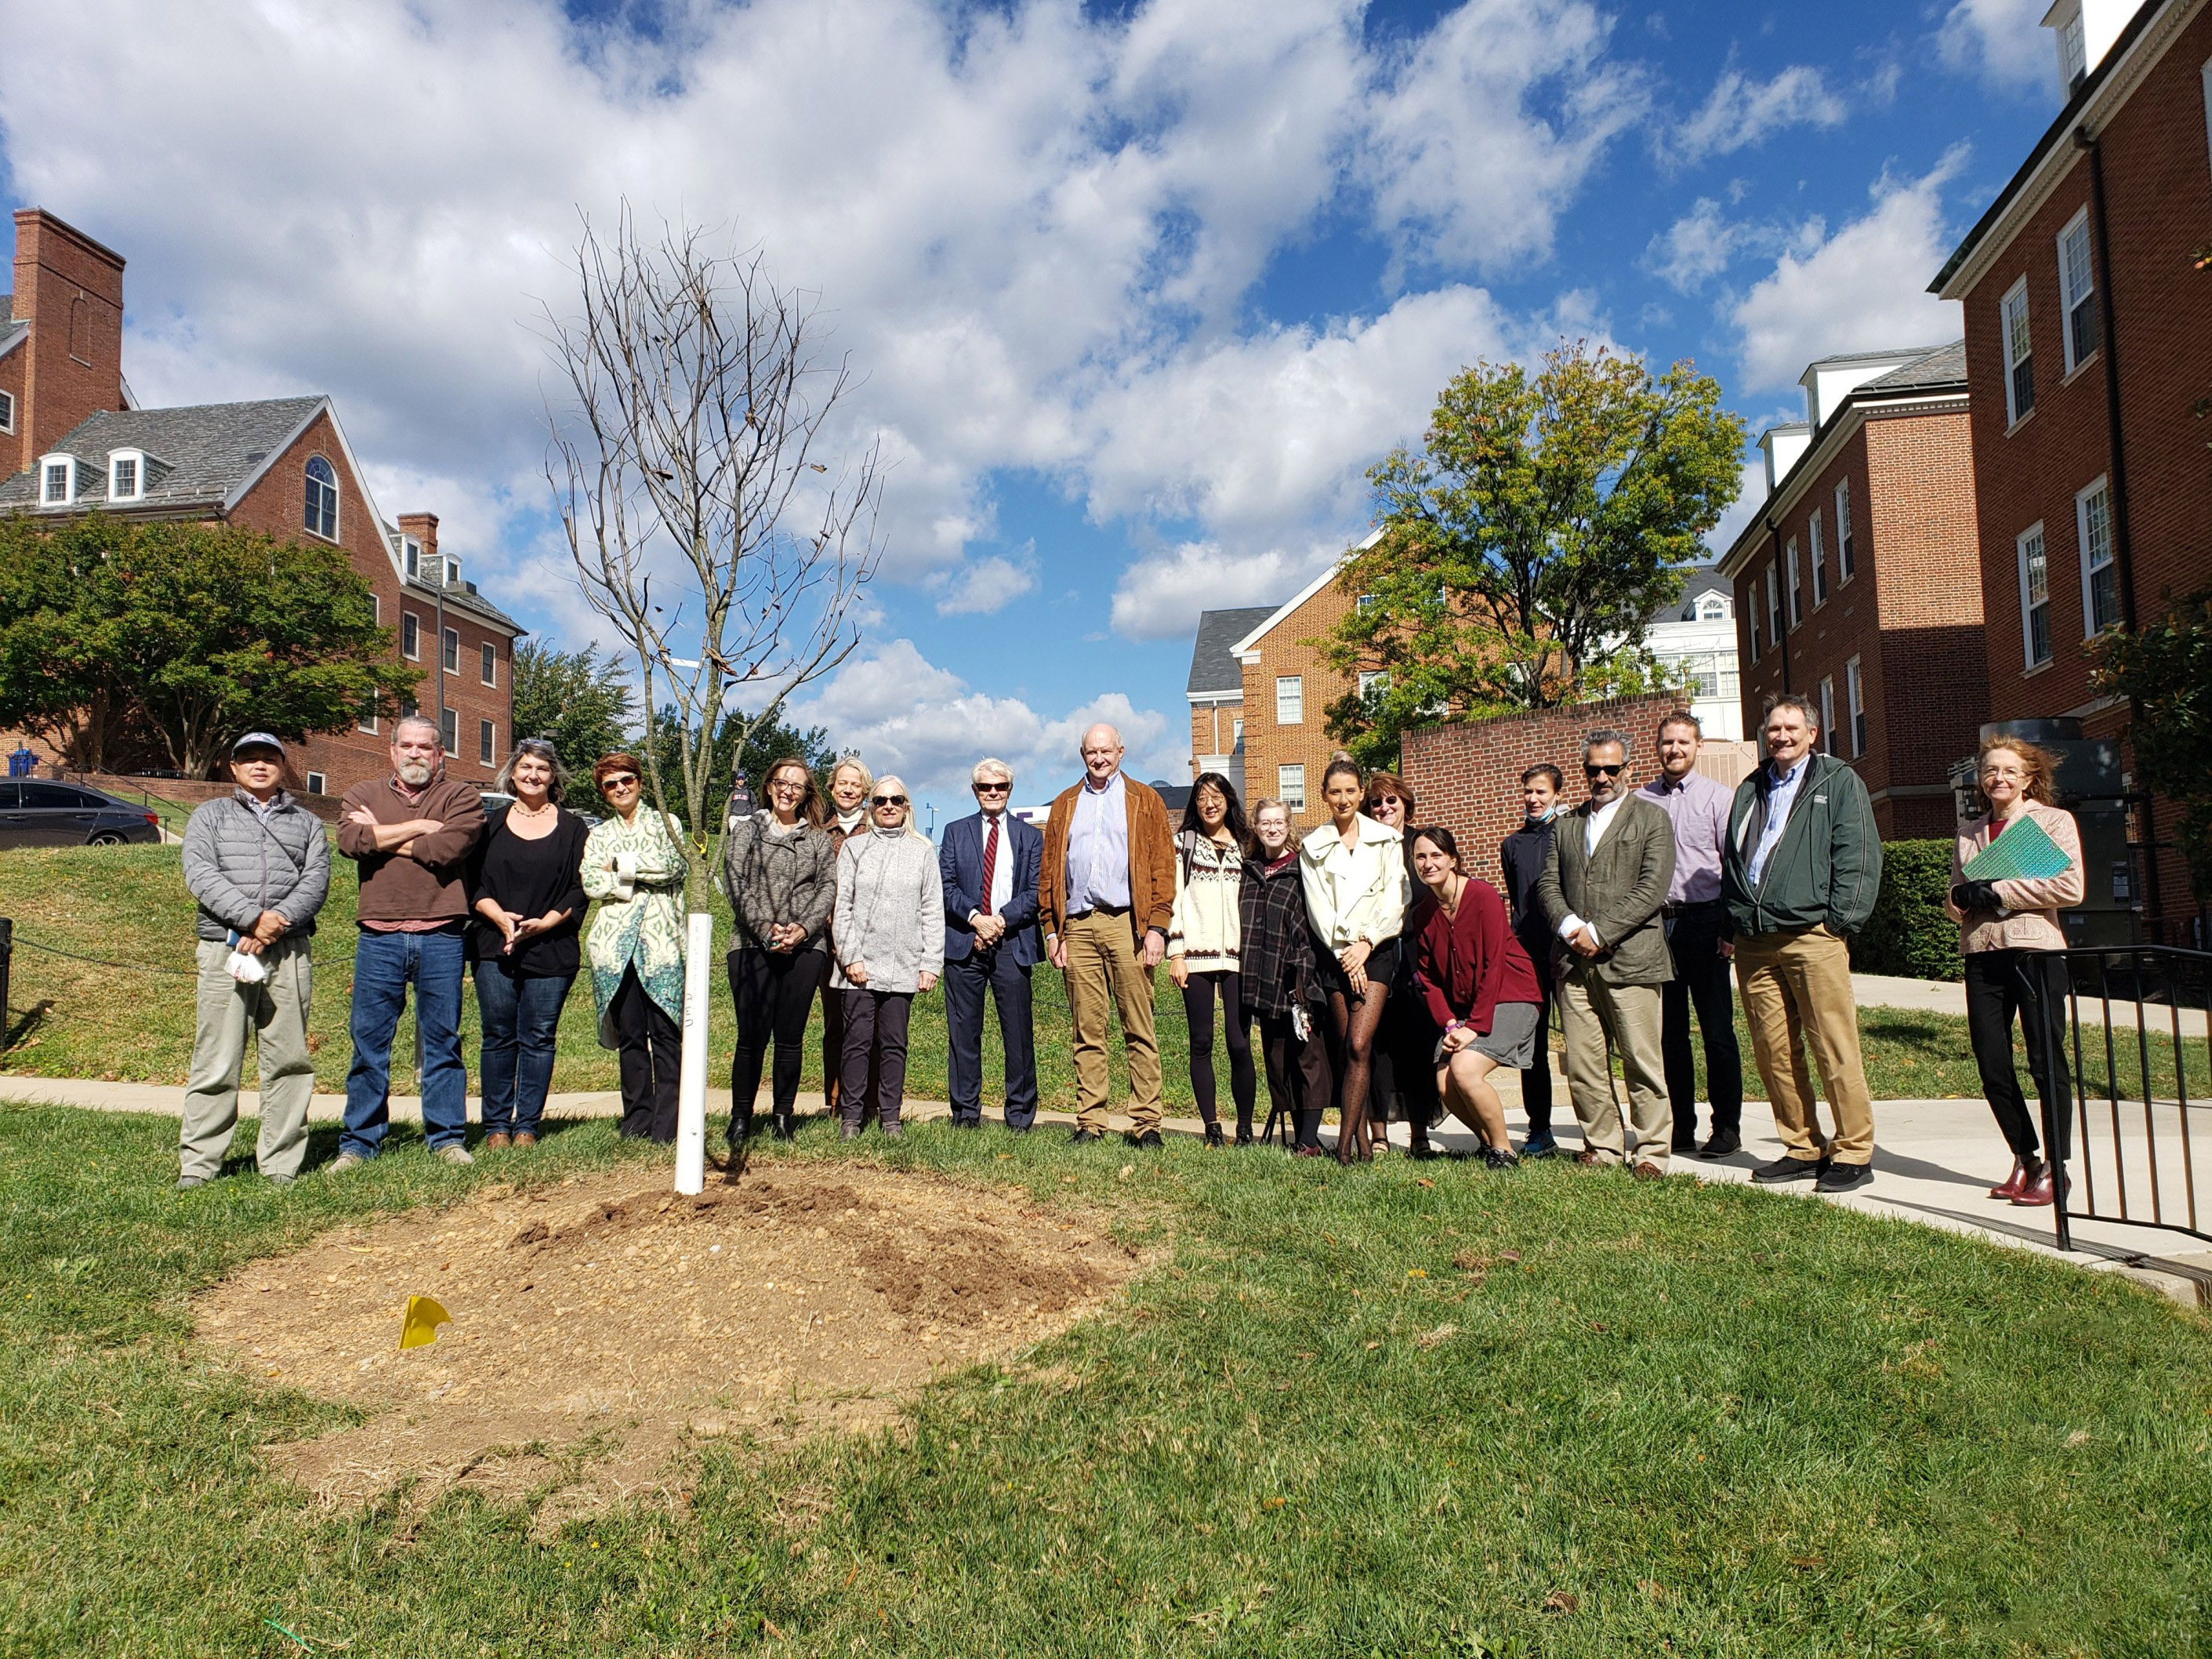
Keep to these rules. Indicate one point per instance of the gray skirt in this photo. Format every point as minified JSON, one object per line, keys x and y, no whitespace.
{"x":1515,"y":1027}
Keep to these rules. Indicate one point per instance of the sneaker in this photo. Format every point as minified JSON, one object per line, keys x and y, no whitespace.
{"x":1150,"y":1141}
{"x":894,"y":1131}
{"x":1542,"y":1146}
{"x":1844,"y":1178}
{"x":185,"y":1183}
{"x":345,"y":1161}
{"x":1498,"y":1158}
{"x":1081,"y":1135}
{"x":1788,"y":1169}
{"x":1725,"y":1143}
{"x":454,"y":1153}
{"x":849,"y":1132}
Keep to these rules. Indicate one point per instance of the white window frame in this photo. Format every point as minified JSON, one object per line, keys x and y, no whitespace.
{"x":2068,"y":300}
{"x":376,"y":609}
{"x":1819,"y":556}
{"x":1827,"y":713}
{"x":488,"y":664}
{"x":1370,"y":679}
{"x":69,"y":480}
{"x":449,"y":652}
{"x":487,"y":743}
{"x":2082,"y":497}
{"x":2028,"y":603}
{"x":368,"y":721}
{"x":318,"y":783}
{"x":1236,"y":730}
{"x":1846,"y":554}
{"x":1290,"y":700}
{"x":450,"y":732}
{"x":7,"y":411}
{"x":1855,"y":705}
{"x":1797,"y":585}
{"x":408,"y":620}
{"x":308,"y":479}
{"x":411,"y":557}
{"x":1713,"y":608}
{"x":2072,"y":53}
{"x":1290,"y":786}
{"x":135,"y":460}
{"x":1751,"y":621}
{"x":2015,"y":302}
{"x":1773,"y":605}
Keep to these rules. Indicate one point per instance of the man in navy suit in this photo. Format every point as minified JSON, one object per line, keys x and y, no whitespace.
{"x":990,"y":865}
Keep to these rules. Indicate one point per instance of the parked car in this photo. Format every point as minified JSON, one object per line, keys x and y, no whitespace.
{"x":37,"y":812}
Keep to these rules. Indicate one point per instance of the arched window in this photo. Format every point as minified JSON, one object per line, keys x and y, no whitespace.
{"x":1713,"y":608}
{"x":322,"y":515}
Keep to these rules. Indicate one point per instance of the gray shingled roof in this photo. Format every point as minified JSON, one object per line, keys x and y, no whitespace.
{"x":196,"y":456}
{"x":1697,"y":582}
{"x":10,"y":332}
{"x":1213,"y":665}
{"x":1945,"y":365}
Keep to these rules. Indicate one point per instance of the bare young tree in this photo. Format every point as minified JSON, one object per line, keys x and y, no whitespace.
{"x":683,"y":465}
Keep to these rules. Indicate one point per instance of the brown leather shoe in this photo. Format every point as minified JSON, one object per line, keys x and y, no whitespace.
{"x":2023,"y":1171}
{"x":2039,"y":1191}
{"x":1645,"y":1171}
{"x":1588,"y":1157}
{"x":498,"y":1141}
{"x":524,"y":1142}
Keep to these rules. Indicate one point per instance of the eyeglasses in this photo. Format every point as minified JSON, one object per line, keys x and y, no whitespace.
{"x":987,"y":787}
{"x":1590,"y":771}
{"x":887,"y":800}
{"x":618,"y":780}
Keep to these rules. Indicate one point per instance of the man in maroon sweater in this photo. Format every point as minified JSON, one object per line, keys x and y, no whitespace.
{"x":410,"y":834}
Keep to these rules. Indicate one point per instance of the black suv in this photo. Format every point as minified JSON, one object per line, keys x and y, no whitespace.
{"x":38,"y":813}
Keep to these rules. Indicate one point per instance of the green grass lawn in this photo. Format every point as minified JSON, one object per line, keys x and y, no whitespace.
{"x":69,"y":1019}
{"x":1631,"y":1420}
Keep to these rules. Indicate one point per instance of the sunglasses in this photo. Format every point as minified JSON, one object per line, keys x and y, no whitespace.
{"x":618,"y":780}
{"x":887,"y":800}
{"x":988,"y":788}
{"x":1590,"y":771}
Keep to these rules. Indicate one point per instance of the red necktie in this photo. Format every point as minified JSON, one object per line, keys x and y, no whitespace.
{"x":990,"y":865}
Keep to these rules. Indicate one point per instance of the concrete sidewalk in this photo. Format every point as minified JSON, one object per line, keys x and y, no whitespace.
{"x":1934,"y":1164}
{"x":1940,"y":996}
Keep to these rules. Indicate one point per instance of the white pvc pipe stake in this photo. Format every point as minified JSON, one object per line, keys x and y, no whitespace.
{"x":691,"y":1080}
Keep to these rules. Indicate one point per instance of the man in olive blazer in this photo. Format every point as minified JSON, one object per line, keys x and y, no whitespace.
{"x":1602,"y":889}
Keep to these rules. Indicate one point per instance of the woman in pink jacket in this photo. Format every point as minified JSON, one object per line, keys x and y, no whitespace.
{"x":2007,"y":932}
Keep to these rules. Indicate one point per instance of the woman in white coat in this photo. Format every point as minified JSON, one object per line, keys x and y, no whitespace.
{"x":888,"y":935}
{"x":1354,"y":871}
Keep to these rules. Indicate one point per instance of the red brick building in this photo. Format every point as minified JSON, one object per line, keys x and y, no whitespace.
{"x":2089,"y":344}
{"x":1854,"y":581}
{"x":75,"y":442}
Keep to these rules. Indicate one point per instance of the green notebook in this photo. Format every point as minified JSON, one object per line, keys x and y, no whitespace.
{"x":2023,"y":853}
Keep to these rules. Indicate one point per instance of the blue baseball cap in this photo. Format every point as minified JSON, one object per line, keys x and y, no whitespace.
{"x":258,"y":740}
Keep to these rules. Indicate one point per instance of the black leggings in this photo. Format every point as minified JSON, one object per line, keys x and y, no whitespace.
{"x":1198,"y":1013}
{"x":1995,"y":992}
{"x":773,"y":991}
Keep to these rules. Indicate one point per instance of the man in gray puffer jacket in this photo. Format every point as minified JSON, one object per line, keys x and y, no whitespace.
{"x":259,"y":864}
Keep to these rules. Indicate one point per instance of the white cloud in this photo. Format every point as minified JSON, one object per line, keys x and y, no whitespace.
{"x":1862,"y":290}
{"x":2001,"y":43}
{"x":1696,"y":248}
{"x":982,"y":587}
{"x":904,"y":713}
{"x":1743,"y":111}
{"x":1160,"y":596}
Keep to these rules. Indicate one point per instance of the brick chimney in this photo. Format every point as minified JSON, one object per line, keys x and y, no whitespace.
{"x":423,"y":527}
{"x":70,"y":289}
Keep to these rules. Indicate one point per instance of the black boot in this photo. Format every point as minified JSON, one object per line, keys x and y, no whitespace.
{"x":1213,"y":1135}
{"x":783,"y":1129}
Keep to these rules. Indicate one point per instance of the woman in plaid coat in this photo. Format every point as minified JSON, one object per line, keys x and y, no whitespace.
{"x":1276,"y":963}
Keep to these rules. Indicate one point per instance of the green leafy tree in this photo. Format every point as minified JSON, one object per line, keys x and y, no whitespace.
{"x":745,"y":742}
{"x":578,"y":701}
{"x":1524,"y":544}
{"x":198,"y":631}
{"x":2165,"y":671}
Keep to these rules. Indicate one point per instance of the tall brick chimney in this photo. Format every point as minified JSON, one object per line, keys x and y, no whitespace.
{"x":70,"y":289}
{"x":423,"y":527}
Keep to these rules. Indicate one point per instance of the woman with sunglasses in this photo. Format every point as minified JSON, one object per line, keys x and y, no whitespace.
{"x":1402,"y":1084}
{"x":1354,"y":874}
{"x":1479,"y":987}
{"x":887,"y":935}
{"x":781,"y":870}
{"x":525,"y":885}
{"x":1202,"y":939}
{"x":845,"y":815}
{"x":634,"y":866}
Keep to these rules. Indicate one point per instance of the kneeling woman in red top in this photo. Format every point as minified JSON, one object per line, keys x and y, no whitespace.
{"x":1479,"y":987}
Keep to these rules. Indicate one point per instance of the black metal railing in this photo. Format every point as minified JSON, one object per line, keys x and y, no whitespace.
{"x":2137,"y":1035}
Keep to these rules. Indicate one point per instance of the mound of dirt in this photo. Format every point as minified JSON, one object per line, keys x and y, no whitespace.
{"x":600,"y":1323}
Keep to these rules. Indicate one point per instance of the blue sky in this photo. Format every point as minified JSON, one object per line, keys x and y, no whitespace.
{"x":1139,"y":290}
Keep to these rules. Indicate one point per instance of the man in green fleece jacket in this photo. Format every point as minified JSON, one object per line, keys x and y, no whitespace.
{"x":1799,"y":872}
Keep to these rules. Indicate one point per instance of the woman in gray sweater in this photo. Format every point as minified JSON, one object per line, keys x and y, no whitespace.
{"x":779,"y":866}
{"x":889,"y":939}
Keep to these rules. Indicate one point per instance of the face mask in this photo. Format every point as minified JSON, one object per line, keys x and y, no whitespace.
{"x":1544,"y":816}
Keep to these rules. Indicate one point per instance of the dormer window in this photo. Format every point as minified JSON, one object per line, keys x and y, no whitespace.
{"x":411,"y":552}
{"x":57,"y":481}
{"x":322,"y":505}
{"x":2072,"y":53}
{"x":1713,"y":608}
{"x":126,"y":475}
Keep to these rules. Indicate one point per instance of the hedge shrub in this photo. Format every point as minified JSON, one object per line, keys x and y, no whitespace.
{"x":1909,"y":935}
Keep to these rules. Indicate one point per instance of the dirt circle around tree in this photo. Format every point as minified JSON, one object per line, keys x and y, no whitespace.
{"x":600,"y":1325}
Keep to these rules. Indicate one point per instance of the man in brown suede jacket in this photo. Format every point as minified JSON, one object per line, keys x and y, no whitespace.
{"x":410,"y":834}
{"x":1104,"y":894}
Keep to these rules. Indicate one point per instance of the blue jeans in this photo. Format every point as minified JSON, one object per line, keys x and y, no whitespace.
{"x":516,"y":1067}
{"x":383,"y":965}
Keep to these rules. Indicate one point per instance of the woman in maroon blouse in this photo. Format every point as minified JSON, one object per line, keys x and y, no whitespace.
{"x":1478,"y":985}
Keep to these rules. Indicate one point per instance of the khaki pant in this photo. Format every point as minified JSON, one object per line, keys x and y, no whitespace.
{"x":275,"y":1012}
{"x":1104,"y":966}
{"x":1590,"y":1011}
{"x":1800,"y":982}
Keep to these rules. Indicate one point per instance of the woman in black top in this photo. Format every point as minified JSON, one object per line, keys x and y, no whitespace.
{"x":526,"y":886}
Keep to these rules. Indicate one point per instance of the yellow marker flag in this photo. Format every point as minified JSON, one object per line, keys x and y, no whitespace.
{"x":420,"y":1328}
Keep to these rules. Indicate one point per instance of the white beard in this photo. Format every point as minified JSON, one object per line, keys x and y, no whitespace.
{"x":415,"y":773}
